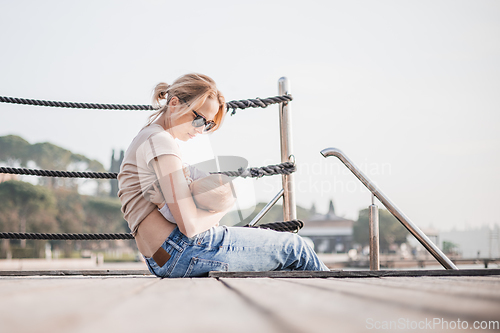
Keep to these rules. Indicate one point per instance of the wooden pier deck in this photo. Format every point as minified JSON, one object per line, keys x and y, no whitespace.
{"x":228,"y":303}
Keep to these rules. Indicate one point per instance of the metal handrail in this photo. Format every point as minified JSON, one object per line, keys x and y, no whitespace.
{"x":289,"y":206}
{"x":286,"y":147}
{"x":266,"y":208}
{"x":398,"y":214}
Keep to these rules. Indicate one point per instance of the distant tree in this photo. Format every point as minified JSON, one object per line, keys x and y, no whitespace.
{"x":450,"y":247}
{"x":30,"y":208}
{"x":312,"y":211}
{"x":115,"y":167}
{"x":104,"y":215}
{"x":87,"y":214}
{"x":46,"y":155}
{"x":331,"y":208}
{"x":51,"y":157}
{"x":26,"y":208}
{"x":391,"y":231}
{"x":15,"y":151}
{"x":70,"y":210}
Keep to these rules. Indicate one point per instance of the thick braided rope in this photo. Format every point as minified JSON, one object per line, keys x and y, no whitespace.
{"x":278,"y":169}
{"x":73,"y":105}
{"x":18,"y":235}
{"x":53,"y":173}
{"x":290,"y":226}
{"x":285,"y":168}
{"x":241,"y":104}
{"x":257,"y":103}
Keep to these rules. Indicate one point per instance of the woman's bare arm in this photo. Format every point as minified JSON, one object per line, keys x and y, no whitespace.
{"x":190,"y":220}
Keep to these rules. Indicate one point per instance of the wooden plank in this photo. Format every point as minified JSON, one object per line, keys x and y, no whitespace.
{"x":272,"y":274}
{"x":473,"y":287}
{"x":355,"y":274}
{"x":183,"y":305}
{"x":305,"y":308}
{"x":145,"y":303}
{"x":124,"y":304}
{"x":447,"y":305}
{"x":54,"y":304}
{"x":86,"y":272}
{"x":18,"y":286}
{"x":492,"y":279}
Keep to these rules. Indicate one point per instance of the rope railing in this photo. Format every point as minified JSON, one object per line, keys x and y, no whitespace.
{"x":240,"y":104}
{"x":287,"y":226}
{"x":278,"y":169}
{"x":43,"y":236}
{"x":63,"y":174}
{"x":257,"y":103}
{"x":285,"y":168}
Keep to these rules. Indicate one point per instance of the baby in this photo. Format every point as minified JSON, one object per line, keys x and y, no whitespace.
{"x":212,"y":193}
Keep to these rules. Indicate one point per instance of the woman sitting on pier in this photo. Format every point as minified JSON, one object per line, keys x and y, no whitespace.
{"x":195,"y":244}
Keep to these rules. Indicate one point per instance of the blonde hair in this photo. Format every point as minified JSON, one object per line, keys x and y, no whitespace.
{"x":190,"y":89}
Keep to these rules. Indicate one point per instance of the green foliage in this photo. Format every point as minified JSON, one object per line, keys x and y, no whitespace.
{"x":29,"y":208}
{"x":15,"y":151}
{"x":450,"y":248}
{"x":100,"y":211}
{"x":26,"y":208}
{"x":46,"y":155}
{"x":70,"y":210}
{"x":49,"y":156}
{"x":14,"y":148}
{"x":391,"y":231}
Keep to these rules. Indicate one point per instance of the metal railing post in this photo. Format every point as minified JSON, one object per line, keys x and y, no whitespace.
{"x":405,"y":221}
{"x":374,"y":236}
{"x":289,"y":208}
{"x":266,"y":208}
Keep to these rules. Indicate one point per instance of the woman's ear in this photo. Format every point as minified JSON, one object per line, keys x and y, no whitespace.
{"x":174,"y":101}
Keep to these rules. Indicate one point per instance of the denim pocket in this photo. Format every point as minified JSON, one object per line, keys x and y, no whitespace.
{"x":175,"y":252}
{"x":201,"y":267}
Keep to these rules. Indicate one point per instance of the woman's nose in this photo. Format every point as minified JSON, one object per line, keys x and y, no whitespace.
{"x":199,"y":129}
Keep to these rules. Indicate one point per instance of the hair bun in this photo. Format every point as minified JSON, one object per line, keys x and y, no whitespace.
{"x":160,"y":92}
{"x":162,"y":89}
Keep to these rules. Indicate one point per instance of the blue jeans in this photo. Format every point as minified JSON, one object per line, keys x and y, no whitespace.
{"x":235,"y":249}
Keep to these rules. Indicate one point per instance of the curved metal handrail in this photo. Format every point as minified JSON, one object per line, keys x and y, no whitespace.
{"x":398,"y":214}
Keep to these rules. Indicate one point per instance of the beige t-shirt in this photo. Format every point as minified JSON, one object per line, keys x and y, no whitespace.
{"x":137,"y":173}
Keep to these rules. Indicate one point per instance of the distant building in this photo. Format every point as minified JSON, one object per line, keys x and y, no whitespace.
{"x":330,"y":233}
{"x":115,"y":167}
{"x":483,"y":242}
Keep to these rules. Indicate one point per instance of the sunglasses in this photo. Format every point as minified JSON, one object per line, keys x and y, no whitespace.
{"x":199,"y":121}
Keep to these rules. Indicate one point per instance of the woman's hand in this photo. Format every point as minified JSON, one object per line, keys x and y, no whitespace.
{"x":155,"y":195}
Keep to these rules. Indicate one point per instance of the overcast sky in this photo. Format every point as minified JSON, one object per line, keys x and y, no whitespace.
{"x":409,"y":90}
